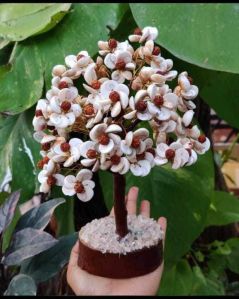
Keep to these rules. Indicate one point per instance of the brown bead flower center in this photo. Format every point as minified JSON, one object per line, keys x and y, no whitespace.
{"x":140,"y":156}
{"x":202,"y":138}
{"x":40,"y":164}
{"x":115,"y":159}
{"x":114,"y":96}
{"x":135,"y":142}
{"x":95,"y":84}
{"x":65,"y":146}
{"x":79,"y":188}
{"x":137,"y":31}
{"x":170,"y":154}
{"x":158,"y":101}
{"x":91,"y":154}
{"x":89,"y":109}
{"x":112,"y":43}
{"x":156,"y":51}
{"x":141,"y":105}
{"x":46,"y":146}
{"x":51,"y":180}
{"x":104,"y":139}
{"x":151,"y":151}
{"x":63,"y":84}
{"x":65,"y":106}
{"x":38,"y":113}
{"x":120,"y":65}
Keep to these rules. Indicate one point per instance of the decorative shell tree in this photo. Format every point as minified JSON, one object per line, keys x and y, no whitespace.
{"x":124,"y":88}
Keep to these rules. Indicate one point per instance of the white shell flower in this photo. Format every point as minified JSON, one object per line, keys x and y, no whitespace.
{"x":122,"y":62}
{"x":58,"y":70}
{"x":147,"y":33}
{"x":91,"y":79}
{"x":105,"y":137}
{"x":186,"y":92}
{"x":48,"y":178}
{"x":113,"y":45}
{"x":77,"y":64}
{"x":41,"y":115}
{"x":67,"y":152}
{"x":118,"y":95}
{"x":63,"y":109}
{"x":114,"y":161}
{"x":89,"y":150}
{"x":141,"y":164}
{"x":163,"y":68}
{"x":81,"y":185}
{"x":188,"y":145}
{"x":175,"y":153}
{"x":201,"y":145}
{"x":161,"y":103}
{"x":134,"y":142}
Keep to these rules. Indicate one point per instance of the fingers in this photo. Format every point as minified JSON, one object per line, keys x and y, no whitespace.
{"x":145,"y":208}
{"x":163,"y":222}
{"x":74,"y":255}
{"x":131,"y":203}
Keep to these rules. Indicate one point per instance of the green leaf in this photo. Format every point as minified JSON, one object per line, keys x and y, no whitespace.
{"x":20,"y":152}
{"x":233,"y":258}
{"x":39,"y":216}
{"x":202,"y":34}
{"x":21,"y":285}
{"x":22,"y":82}
{"x":206,"y":285}
{"x":224,"y":209}
{"x":64,"y":213}
{"x":182,"y":196}
{"x":7,"y":210}
{"x":48,"y":263}
{"x":177,"y":280}
{"x":27,"y":243}
{"x":19,"y":21}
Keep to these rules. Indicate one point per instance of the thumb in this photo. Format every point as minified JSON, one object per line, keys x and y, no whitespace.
{"x":73,"y":262}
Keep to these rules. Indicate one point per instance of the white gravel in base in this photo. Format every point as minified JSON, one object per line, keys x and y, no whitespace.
{"x":100,"y":234}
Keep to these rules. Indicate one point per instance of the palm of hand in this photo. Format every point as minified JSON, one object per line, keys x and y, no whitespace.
{"x":83,"y":283}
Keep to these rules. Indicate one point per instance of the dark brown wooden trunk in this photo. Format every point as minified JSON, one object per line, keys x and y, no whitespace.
{"x":119,"y":205}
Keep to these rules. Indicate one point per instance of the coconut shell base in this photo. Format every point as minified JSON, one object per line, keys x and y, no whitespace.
{"x":119,"y":265}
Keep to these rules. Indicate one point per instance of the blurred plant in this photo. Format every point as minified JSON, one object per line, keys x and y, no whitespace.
{"x":28,"y":243}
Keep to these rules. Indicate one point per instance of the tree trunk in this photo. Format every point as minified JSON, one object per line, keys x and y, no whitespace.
{"x":119,"y":205}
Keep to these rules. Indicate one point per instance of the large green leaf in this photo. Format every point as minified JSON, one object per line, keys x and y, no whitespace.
{"x":202,"y":34}
{"x":39,"y":216}
{"x":224,"y":209}
{"x":19,"y":21}
{"x":177,"y":281}
{"x":20,"y":152}
{"x":182,"y":196}
{"x":21,"y":285}
{"x":233,"y":258}
{"x":206,"y":285}
{"x":48,"y":263}
{"x":21,"y":83}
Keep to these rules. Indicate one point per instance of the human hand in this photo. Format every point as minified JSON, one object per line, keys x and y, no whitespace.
{"x":83,"y":283}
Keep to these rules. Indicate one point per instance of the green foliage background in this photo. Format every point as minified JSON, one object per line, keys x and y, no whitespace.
{"x":200,"y":38}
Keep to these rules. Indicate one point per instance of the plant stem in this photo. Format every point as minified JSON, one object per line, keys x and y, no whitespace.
{"x":119,"y":205}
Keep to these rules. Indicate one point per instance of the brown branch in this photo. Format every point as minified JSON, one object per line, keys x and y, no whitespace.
{"x":119,"y":205}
